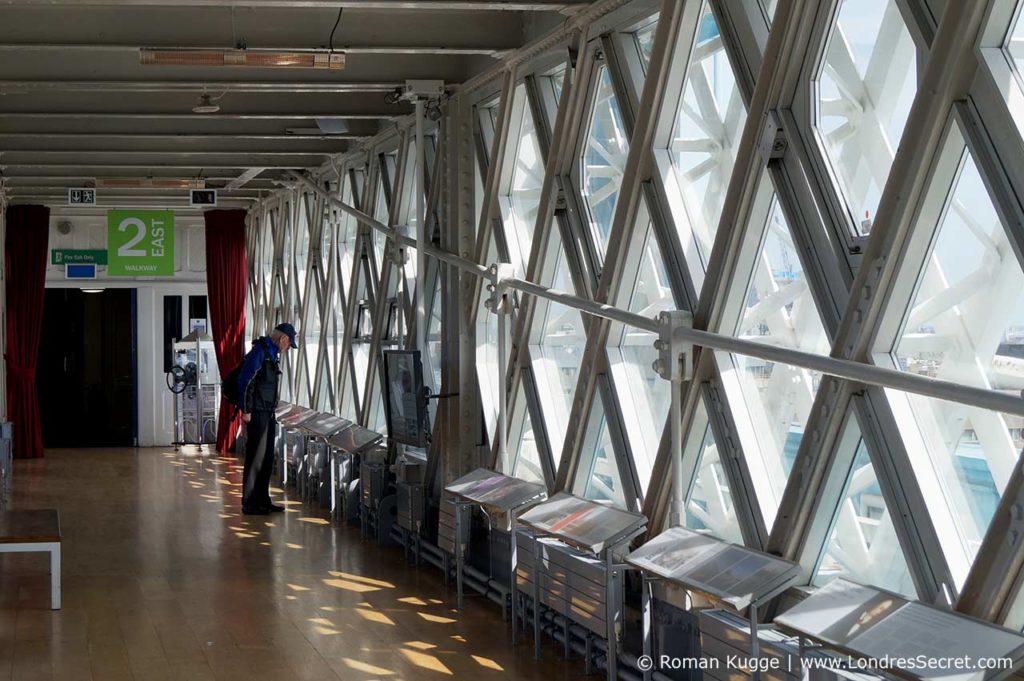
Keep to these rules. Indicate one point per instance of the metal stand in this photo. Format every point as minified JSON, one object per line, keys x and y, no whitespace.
{"x":755,"y":645}
{"x":513,"y":587}
{"x":647,"y":620}
{"x":460,"y":549}
{"x":536,"y":596}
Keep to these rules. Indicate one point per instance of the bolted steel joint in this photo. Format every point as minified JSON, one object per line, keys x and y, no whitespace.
{"x":675,"y":353}
{"x":498,"y":300}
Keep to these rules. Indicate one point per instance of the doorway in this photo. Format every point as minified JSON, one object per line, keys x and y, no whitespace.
{"x":87,"y":369}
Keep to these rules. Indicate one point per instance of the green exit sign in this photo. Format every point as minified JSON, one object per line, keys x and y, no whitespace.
{"x":78,"y":256}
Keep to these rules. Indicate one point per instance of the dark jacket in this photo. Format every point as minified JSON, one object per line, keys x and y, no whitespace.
{"x":260,"y":377}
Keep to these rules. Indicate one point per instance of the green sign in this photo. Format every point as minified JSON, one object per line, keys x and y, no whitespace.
{"x":140,"y":243}
{"x":76,"y":256}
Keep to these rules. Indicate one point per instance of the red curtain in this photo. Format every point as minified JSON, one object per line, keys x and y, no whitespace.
{"x":25,"y":251}
{"x":225,"y":286}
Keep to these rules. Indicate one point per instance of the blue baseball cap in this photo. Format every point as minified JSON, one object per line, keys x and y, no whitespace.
{"x":288,"y":330}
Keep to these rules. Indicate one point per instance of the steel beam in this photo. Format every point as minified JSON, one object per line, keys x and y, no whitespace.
{"x":243,"y":179}
{"x":177,"y":115}
{"x":21,"y":86}
{"x":5,"y":164}
{"x":207,"y":137}
{"x":251,"y":154}
{"x":447,"y":5}
{"x":425,"y":50}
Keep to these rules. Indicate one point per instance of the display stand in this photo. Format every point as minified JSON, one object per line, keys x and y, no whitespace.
{"x":872,"y":625}
{"x":732,"y":576}
{"x":496,"y":494}
{"x":290,"y":419}
{"x":317,"y":430}
{"x":344,"y":447}
{"x":595,"y":529}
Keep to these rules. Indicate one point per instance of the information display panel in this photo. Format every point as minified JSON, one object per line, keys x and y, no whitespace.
{"x":324,"y":425}
{"x":354,"y":439}
{"x":295,"y":416}
{"x":904,"y":638}
{"x":585,"y":524}
{"x":282,"y":409}
{"x":731,"y":574}
{"x":496,"y":492}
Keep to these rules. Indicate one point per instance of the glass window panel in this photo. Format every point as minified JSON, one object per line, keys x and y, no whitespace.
{"x":645,"y":43}
{"x":1015,"y":42}
{"x":523,"y":195}
{"x":709,"y":504}
{"x":967,"y":318}
{"x":776,"y":398}
{"x":378,"y":420}
{"x":643,"y":395}
{"x":862,"y":544}
{"x":554,"y":82}
{"x":598,"y":477}
{"x":311,"y":337}
{"x":362,"y":333}
{"x":864,"y":91}
{"x":349,"y":408}
{"x":557,"y":355}
{"x":707,"y":131}
{"x":285,"y":220}
{"x":604,"y":158}
{"x":407,"y":220}
{"x":966,"y":324}
{"x":527,"y":464}
{"x":434,"y":336}
{"x":327,"y":236}
{"x":487,"y":352}
{"x":380,"y":213}
{"x":301,"y":251}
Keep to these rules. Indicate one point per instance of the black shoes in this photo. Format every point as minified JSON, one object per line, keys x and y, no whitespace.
{"x":262,"y":510}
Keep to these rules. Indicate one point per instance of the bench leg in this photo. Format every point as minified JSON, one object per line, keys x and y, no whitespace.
{"x":55,"y":576}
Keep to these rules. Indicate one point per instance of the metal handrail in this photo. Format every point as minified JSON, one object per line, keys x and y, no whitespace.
{"x":859,"y":372}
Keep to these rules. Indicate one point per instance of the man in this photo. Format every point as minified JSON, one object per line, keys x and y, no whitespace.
{"x":259,"y":382}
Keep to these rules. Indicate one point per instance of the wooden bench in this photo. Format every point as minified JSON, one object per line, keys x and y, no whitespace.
{"x":25,"y":531}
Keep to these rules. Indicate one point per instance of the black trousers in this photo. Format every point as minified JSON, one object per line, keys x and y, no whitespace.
{"x":259,"y":459}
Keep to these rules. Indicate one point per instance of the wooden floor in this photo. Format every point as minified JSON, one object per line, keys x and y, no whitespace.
{"x":165,"y":579}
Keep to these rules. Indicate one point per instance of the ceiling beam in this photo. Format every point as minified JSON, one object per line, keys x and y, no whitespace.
{"x":448,"y":5}
{"x":9,"y":87}
{"x":13,"y":115}
{"x":166,"y":152}
{"x":243,"y":179}
{"x":63,"y":179}
{"x":207,"y":137}
{"x":199,"y":167}
{"x":426,"y":50}
{"x":128,"y":192}
{"x":59,"y":202}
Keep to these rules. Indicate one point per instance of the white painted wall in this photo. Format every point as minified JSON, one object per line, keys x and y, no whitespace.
{"x":89,"y":230}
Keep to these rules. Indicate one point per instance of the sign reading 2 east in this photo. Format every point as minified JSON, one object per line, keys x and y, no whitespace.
{"x":140,"y":243}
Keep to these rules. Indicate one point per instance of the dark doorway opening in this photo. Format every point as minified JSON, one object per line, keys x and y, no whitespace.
{"x":87,"y":369}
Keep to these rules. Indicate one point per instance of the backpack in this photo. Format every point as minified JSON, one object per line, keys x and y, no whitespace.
{"x":229,"y":387}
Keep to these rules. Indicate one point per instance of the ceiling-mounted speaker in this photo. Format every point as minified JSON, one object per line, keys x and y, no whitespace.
{"x":64,"y":227}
